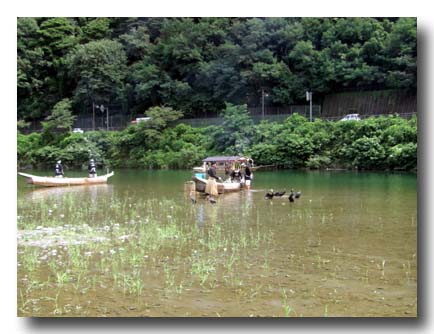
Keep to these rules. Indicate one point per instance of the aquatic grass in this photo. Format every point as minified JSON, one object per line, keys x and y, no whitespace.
{"x":383,"y":264}
{"x":169,"y":276}
{"x":159,"y":241}
{"x":30,"y":259}
{"x":62,"y":278}
{"x":131,"y":283}
{"x":24,"y":302}
{"x":202,"y":268}
{"x":287,"y":309}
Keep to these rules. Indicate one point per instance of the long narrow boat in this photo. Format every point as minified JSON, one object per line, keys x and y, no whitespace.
{"x":222,"y":187}
{"x":48,"y":181}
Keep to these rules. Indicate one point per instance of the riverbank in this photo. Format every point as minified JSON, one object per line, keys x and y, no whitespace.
{"x":383,"y":143}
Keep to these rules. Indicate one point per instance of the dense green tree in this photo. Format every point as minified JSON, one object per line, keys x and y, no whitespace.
{"x":161,"y":117}
{"x":136,"y":43}
{"x":99,"y":69}
{"x":236,"y":131}
{"x":61,"y":117}
{"x":31,"y":70}
{"x":98,"y":28}
{"x":374,"y":143}
{"x":195,"y":65}
{"x":401,"y":52}
{"x":58,"y":36}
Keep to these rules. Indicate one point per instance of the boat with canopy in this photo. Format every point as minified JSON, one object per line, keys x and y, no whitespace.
{"x":224,"y":165}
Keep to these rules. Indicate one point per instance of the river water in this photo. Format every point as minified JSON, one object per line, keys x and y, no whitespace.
{"x":139,"y":246}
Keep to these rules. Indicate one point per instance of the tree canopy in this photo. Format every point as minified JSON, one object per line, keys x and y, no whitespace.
{"x":196,"y":65}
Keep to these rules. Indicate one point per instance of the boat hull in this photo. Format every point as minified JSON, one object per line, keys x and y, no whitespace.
{"x":222,"y":187}
{"x":47,"y":181}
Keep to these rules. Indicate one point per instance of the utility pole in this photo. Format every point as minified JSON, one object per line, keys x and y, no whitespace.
{"x":93,"y":113}
{"x":264,"y":95}
{"x":309,"y":98}
{"x":106,"y":109}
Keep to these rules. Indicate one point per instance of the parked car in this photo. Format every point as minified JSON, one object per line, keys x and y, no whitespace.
{"x":351,"y":117}
{"x":140,"y":119}
{"x":77,"y":130}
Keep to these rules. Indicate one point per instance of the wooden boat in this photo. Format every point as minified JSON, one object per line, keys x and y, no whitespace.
{"x":224,"y":164}
{"x":49,"y":181}
{"x":222,"y":187}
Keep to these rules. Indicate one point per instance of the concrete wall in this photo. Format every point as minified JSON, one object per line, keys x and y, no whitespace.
{"x":369,"y":103}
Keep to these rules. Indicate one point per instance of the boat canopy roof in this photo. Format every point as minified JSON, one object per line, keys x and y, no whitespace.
{"x":225,"y":158}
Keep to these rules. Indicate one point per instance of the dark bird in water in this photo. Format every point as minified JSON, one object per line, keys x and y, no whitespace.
{"x":269,"y":195}
{"x":298,"y":194}
{"x":211,"y":200}
{"x":279,"y":193}
{"x":193,"y":198}
{"x":291,"y":196}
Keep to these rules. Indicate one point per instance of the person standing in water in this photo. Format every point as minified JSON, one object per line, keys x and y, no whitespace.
{"x":248,"y":175}
{"x":91,"y":168}
{"x":211,"y":185}
{"x":58,"y":170}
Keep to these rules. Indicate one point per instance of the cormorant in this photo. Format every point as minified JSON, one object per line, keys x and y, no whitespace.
{"x":193,"y":198}
{"x":279,"y":193}
{"x":269,"y":195}
{"x":291,"y":196}
{"x":211,"y":200}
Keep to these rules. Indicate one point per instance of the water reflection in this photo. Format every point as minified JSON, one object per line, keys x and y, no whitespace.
{"x":347,"y":247}
{"x":57,"y":193}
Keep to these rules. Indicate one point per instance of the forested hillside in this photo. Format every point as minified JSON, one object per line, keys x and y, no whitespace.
{"x":195,"y":65}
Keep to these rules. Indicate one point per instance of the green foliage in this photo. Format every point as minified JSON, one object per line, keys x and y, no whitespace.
{"x":367,"y":153}
{"x":61,"y":117}
{"x":58,"y":35}
{"x":97,"y":28}
{"x":318,"y":162}
{"x":161,"y":117}
{"x":403,"y":156}
{"x":99,"y":69}
{"x":236,"y":130}
{"x":170,"y":67}
{"x":21,"y":124}
{"x":26,"y":145}
{"x":47,"y":155}
{"x":295,"y":148}
{"x":195,"y":65}
{"x":264,"y":154}
{"x":375,"y":143}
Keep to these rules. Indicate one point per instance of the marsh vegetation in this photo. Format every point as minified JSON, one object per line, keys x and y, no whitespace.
{"x":139,"y":247}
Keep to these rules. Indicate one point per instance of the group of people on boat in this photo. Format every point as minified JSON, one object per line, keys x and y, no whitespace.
{"x":242,"y":174}
{"x":91,"y":168}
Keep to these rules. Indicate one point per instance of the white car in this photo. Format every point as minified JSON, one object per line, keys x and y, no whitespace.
{"x":140,"y":119}
{"x":351,"y":117}
{"x":77,"y":130}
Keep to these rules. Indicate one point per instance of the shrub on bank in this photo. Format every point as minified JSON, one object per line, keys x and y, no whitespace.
{"x":374,"y":143}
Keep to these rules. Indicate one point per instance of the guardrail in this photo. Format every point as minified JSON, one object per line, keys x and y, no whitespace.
{"x":203,"y":122}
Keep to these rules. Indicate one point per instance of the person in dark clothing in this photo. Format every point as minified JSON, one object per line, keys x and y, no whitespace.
{"x":58,"y":170}
{"x":248,"y":176}
{"x":236,"y":175}
{"x":211,"y":185}
{"x":212,"y":173}
{"x":227,"y":169}
{"x":91,"y":168}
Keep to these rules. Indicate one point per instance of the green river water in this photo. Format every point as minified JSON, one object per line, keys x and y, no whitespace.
{"x":138,"y":246}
